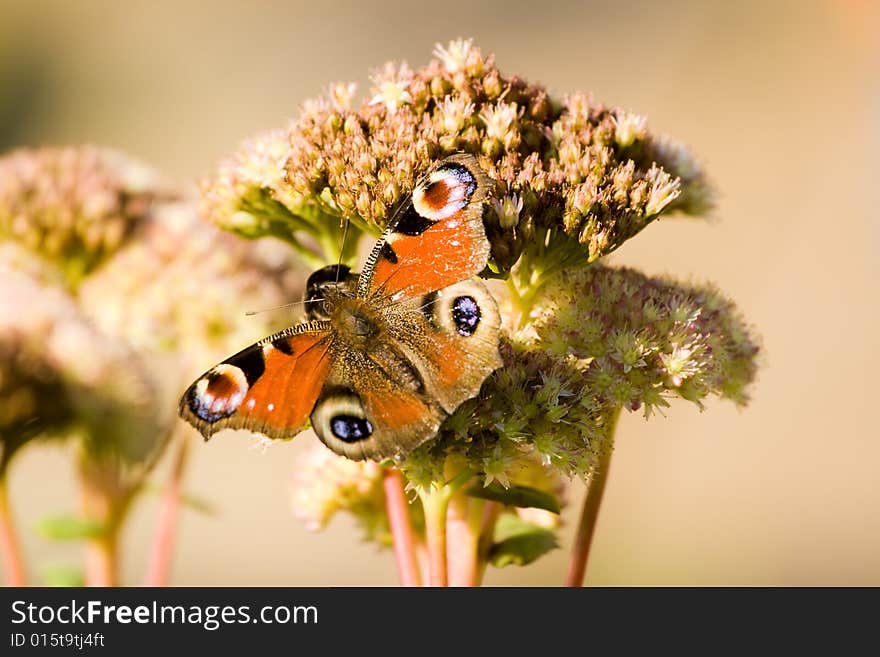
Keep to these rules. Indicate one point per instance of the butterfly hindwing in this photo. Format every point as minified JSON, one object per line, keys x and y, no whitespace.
{"x":455,"y":346}
{"x":268,"y":388}
{"x":365,"y":413}
{"x":432,"y":354}
{"x":438,"y":239}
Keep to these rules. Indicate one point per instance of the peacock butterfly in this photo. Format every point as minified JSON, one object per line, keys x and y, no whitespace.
{"x":385,"y":356}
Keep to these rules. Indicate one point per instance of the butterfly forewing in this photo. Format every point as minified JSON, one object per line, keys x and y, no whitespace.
{"x":437,"y":240}
{"x":268,"y":388}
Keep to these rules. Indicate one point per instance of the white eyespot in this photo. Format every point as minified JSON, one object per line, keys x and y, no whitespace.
{"x":457,"y":195}
{"x":339,"y":419}
{"x":270,"y":407}
{"x":219,"y":393}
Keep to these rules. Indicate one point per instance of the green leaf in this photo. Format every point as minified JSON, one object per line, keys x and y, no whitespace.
{"x":520,"y":496}
{"x":68,"y":527}
{"x":194,"y":502}
{"x":523,"y":542}
{"x":62,"y":575}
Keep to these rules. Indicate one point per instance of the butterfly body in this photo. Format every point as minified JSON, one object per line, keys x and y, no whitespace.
{"x":385,"y":356}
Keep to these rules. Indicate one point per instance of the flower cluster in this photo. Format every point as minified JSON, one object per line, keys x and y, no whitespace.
{"x":565,"y":169}
{"x":59,"y":374}
{"x":600,"y":339}
{"x":107,"y":349}
{"x":325,"y":484}
{"x":74,"y":206}
{"x":644,"y":339}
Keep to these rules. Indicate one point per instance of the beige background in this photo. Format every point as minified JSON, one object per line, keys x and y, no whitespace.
{"x":780,"y":99}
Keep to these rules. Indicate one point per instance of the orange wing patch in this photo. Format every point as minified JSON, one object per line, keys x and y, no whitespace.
{"x":439,"y":238}
{"x":269,"y":388}
{"x":394,"y":409}
{"x":447,"y":252}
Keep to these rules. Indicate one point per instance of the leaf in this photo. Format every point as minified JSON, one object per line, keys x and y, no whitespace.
{"x":68,"y":527}
{"x":523,"y":542}
{"x":62,"y":575}
{"x":193,"y":502}
{"x":520,"y":496}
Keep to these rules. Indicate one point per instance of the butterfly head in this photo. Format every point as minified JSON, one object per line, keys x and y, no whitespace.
{"x":326,"y":288}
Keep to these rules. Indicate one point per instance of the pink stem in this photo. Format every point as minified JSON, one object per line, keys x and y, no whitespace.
{"x":159,"y":569}
{"x":104,"y":500}
{"x":397,"y":509}
{"x":13,"y":562}
{"x":491,"y":512}
{"x":463,"y":537}
{"x":577,"y":566}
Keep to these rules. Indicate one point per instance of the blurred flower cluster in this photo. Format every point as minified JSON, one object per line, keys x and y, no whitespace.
{"x":114,"y":295}
{"x":74,"y":206}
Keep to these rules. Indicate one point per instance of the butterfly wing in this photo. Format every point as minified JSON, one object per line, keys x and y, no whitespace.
{"x":439,"y":238}
{"x":268,"y":388}
{"x":454,"y":344}
{"x":432,"y":354}
{"x":372,"y":407}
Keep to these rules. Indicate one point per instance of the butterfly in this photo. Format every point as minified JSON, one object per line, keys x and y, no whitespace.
{"x":385,"y":356}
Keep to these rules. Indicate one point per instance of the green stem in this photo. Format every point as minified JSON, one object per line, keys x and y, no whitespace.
{"x":577,"y":566}
{"x":105,"y":499}
{"x":13,"y":561}
{"x":436,"y":505}
{"x":101,"y":559}
{"x":528,"y":278}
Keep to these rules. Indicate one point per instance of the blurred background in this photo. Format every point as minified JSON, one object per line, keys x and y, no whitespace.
{"x":781,"y":101}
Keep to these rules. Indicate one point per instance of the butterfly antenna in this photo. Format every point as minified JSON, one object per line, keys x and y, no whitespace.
{"x":251,"y":313}
{"x":345,"y":223}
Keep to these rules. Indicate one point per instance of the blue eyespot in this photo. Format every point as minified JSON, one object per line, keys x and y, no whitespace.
{"x":350,"y":428}
{"x":465,"y":315}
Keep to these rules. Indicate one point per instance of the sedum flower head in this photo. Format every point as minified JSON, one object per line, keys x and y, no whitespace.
{"x":73,"y":206}
{"x":647,"y":339}
{"x":586,"y":177}
{"x":59,"y":374}
{"x":598,"y":340}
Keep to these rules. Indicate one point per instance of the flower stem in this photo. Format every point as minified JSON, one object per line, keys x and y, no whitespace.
{"x":436,"y":504}
{"x":101,"y":562}
{"x":396,"y":507}
{"x":159,"y":568}
{"x":13,"y":563}
{"x":105,"y":500}
{"x":491,"y":512}
{"x":463,"y":523}
{"x":577,"y":565}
